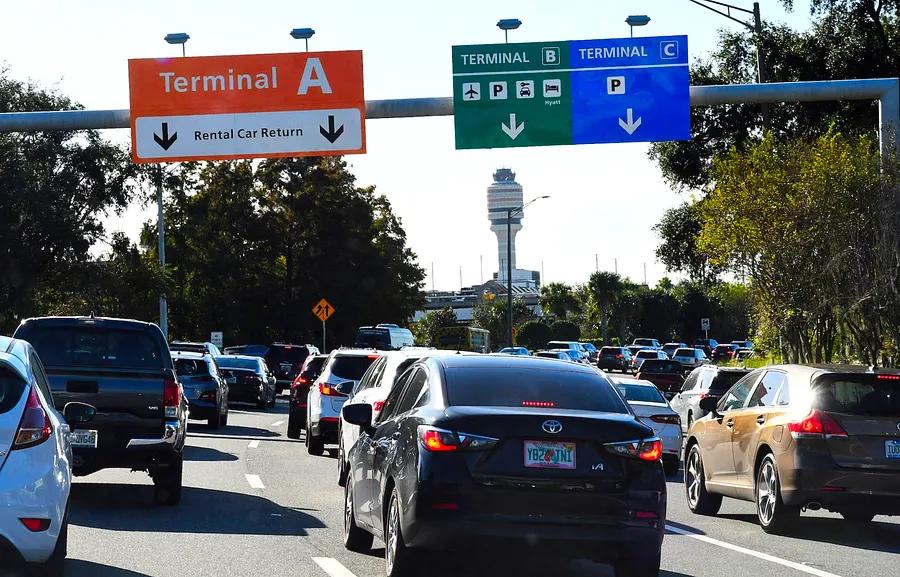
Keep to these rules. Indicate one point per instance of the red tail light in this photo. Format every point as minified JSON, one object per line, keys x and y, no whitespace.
{"x":171,"y":400}
{"x":299,"y":381}
{"x":651,"y":450}
{"x":539,"y":404}
{"x":666,"y":419}
{"x":647,"y":450}
{"x":443,"y":441}
{"x":377,"y":406}
{"x":816,"y":425}
{"x":35,"y":426}
{"x":35,"y":525}
{"x":620,"y":356}
{"x":888,"y":377}
{"x":328,"y":391}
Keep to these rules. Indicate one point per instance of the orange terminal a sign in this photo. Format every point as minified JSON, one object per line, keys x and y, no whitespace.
{"x":250,"y":106}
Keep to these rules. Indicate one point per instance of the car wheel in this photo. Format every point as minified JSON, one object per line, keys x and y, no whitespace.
{"x":262,"y":402}
{"x":167,"y":482}
{"x":699,"y":499}
{"x":294,"y":428}
{"x":223,"y":419}
{"x":55,"y":565}
{"x":315,"y":446}
{"x":638,"y":568}
{"x":774,"y":516}
{"x":399,"y":559}
{"x":342,"y":467}
{"x":214,"y":422}
{"x":860,"y":516}
{"x":355,"y":539}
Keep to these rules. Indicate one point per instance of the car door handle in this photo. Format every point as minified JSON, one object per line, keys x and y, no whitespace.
{"x":761,"y":420}
{"x":729,"y":423}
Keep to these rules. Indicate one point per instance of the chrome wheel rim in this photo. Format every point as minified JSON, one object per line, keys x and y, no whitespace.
{"x":766,"y":493}
{"x":692,"y":474}
{"x":392,"y":536}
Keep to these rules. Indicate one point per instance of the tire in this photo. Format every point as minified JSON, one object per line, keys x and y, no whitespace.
{"x":355,"y":539}
{"x":214,"y":422}
{"x":399,"y":560}
{"x":314,"y":445}
{"x":342,"y":468}
{"x":643,"y":568}
{"x":223,"y":419}
{"x":55,"y":565}
{"x":860,"y":516}
{"x":167,"y":482}
{"x":700,"y":501}
{"x":294,"y":428}
{"x":262,"y":402}
{"x":774,"y":516}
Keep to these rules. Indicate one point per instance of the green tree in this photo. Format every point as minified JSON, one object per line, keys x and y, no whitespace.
{"x":430,"y":325}
{"x":490,"y":314}
{"x":558,"y":299}
{"x":678,"y":231}
{"x":55,"y":190}
{"x":534,"y":335}
{"x":606,"y":290}
{"x":565,"y":331}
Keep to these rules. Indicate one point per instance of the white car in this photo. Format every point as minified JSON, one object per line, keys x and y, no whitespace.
{"x":652,"y":409}
{"x":373,"y":388}
{"x":35,"y":461}
{"x":327,"y":395}
{"x":690,"y":358}
{"x":645,"y":354}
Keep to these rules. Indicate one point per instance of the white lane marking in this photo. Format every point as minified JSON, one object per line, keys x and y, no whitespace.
{"x":255,"y":481}
{"x":253,"y":444}
{"x":333,"y":567}
{"x":277,"y":423}
{"x":752,"y":553}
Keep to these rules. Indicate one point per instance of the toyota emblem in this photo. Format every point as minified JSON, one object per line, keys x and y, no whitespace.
{"x":552,"y":427}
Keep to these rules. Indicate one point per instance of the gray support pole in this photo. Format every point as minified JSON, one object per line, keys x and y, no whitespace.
{"x":161,"y":230}
{"x":889,"y":120}
{"x":509,"y":315}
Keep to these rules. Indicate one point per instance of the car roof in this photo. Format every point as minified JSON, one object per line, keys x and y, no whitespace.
{"x":358,"y":352}
{"x":60,"y":321}
{"x":631,"y":381}
{"x":510,"y":362}
{"x":8,"y":359}
{"x":241,"y":357}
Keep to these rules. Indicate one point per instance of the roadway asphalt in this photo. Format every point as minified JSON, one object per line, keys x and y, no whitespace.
{"x":255,"y":504}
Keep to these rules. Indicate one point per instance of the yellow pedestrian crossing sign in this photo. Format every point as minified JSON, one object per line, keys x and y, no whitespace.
{"x":323,"y":310}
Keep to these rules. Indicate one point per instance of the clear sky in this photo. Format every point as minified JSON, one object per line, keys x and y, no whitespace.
{"x":605,"y":198}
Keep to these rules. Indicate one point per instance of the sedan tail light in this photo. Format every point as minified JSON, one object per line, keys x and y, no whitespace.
{"x":299,"y":382}
{"x":646,"y":450}
{"x":666,"y":419}
{"x":442,"y":441}
{"x":34,"y":524}
{"x":816,"y":425}
{"x":35,"y":426}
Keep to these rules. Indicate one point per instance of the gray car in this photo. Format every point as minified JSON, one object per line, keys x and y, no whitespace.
{"x":705,"y":381}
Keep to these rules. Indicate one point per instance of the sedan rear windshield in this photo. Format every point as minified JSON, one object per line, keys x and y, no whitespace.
{"x":647,"y":355}
{"x":610,"y":351}
{"x":724,"y":381}
{"x":280,"y":354}
{"x":233,"y":363}
{"x":644,"y":342}
{"x":862,"y":394}
{"x":351,"y":368}
{"x":685,"y":353}
{"x":314,"y":366}
{"x":94,"y":346}
{"x":641,"y":393}
{"x":11,"y":387}
{"x":661,"y":367}
{"x":546,"y":388}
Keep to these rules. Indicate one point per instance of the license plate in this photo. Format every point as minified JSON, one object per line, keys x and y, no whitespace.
{"x":82,"y":438}
{"x":549,"y":455}
{"x":892,"y":449}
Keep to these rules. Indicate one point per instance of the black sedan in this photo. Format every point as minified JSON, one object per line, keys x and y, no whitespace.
{"x":248,"y":380}
{"x":512,"y":454}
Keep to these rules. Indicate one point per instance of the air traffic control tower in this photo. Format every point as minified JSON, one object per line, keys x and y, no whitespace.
{"x":504,"y":194}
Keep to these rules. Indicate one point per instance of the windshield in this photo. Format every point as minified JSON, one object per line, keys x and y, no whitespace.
{"x":641,"y":393}
{"x":684,"y":352}
{"x":512,"y":387}
{"x":289,"y":354}
{"x":646,"y":355}
{"x":190,"y":367}
{"x":11,"y":387}
{"x":237,"y":363}
{"x":94,"y":346}
{"x":351,"y":368}
{"x":862,"y":394}
{"x":724,"y":380}
{"x":610,"y":351}
{"x":376,"y":339}
{"x":661,"y":367}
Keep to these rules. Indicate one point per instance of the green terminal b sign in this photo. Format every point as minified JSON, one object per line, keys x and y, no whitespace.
{"x":571,"y":92}
{"x":501,"y":90}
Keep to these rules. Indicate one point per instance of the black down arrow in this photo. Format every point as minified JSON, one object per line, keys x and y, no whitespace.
{"x":331,"y":134}
{"x":165,"y":142}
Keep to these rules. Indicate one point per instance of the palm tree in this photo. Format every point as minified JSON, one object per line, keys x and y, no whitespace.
{"x":558,"y":300}
{"x":606,"y":288}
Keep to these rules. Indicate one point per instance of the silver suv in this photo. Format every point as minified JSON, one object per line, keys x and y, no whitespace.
{"x":342,"y":370}
{"x":705,"y":381}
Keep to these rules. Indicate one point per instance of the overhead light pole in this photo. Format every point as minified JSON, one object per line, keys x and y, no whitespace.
{"x":178,"y":38}
{"x":508,"y":24}
{"x":303,"y":34}
{"x":636,"y":20}
{"x":509,"y":281}
{"x":755,"y":26}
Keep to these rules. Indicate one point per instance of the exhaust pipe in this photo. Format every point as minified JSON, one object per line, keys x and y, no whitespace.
{"x":814,"y":506}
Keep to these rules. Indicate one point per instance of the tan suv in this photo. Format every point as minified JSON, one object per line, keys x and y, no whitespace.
{"x":794,"y":437}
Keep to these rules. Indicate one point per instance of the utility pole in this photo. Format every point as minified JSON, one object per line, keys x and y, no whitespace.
{"x":481,"y":268}
{"x":432,"y":276}
{"x":596,"y":262}
{"x":645,"y":275}
{"x":616,"y":265}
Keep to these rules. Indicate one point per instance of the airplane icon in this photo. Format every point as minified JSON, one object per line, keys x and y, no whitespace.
{"x":471,"y":91}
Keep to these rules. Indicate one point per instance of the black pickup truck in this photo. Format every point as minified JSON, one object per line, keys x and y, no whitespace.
{"x":124,"y":369}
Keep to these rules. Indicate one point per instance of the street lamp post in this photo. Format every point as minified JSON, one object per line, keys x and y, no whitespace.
{"x":636,"y":20}
{"x":178,"y":38}
{"x":508,"y":24}
{"x":303,"y":34}
{"x":509,"y":214}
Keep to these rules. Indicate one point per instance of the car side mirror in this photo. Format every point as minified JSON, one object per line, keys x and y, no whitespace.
{"x":710,"y":405}
{"x":345,"y":388}
{"x":79,"y":413}
{"x":359,"y":414}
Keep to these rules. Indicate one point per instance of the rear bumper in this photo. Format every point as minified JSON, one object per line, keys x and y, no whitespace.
{"x":877,"y":491}
{"x":139,"y":453}
{"x":202,"y":410}
{"x":327,"y":429}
